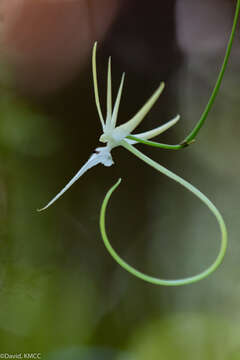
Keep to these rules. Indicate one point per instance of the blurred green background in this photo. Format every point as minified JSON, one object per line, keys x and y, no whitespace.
{"x":61,"y":294}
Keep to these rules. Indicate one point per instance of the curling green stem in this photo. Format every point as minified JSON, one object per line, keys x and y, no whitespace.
{"x":196,"y":192}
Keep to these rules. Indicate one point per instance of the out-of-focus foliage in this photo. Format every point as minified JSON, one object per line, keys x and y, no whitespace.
{"x":60,"y":292}
{"x":182,"y":336}
{"x":25,"y":129}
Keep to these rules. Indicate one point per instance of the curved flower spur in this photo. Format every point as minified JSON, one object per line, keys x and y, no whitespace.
{"x":122,"y":135}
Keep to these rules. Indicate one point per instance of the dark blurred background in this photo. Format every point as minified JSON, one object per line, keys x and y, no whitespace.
{"x":61,"y":294}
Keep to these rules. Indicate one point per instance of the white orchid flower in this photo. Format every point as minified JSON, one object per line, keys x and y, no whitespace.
{"x":123,"y":135}
{"x":114,"y":135}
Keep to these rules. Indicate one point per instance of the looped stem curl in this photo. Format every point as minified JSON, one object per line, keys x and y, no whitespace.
{"x":196,"y":192}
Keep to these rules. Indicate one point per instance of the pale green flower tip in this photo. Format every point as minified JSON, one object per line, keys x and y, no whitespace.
{"x":94,"y":50}
{"x":162,"y":85}
{"x":42,"y":209}
{"x":176,"y":119}
{"x":122,"y":82}
{"x":173,"y":121}
{"x":123,"y":77}
{"x":45,"y":207}
{"x":160,"y":88}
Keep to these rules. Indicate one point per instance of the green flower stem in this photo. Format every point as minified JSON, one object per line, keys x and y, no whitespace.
{"x":191,"y":188}
{"x":156,"y":144}
{"x":191,"y":137}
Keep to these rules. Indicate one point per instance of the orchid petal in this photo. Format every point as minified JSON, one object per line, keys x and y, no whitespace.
{"x":109,"y":94}
{"x":95,"y":84}
{"x":125,"y":129}
{"x":154,"y":132}
{"x":117,"y":102}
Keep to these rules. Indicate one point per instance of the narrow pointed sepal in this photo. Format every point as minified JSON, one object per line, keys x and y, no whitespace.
{"x":154,"y":132}
{"x":125,"y":129}
{"x":117,"y":103}
{"x":95,"y":84}
{"x":109,"y":94}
